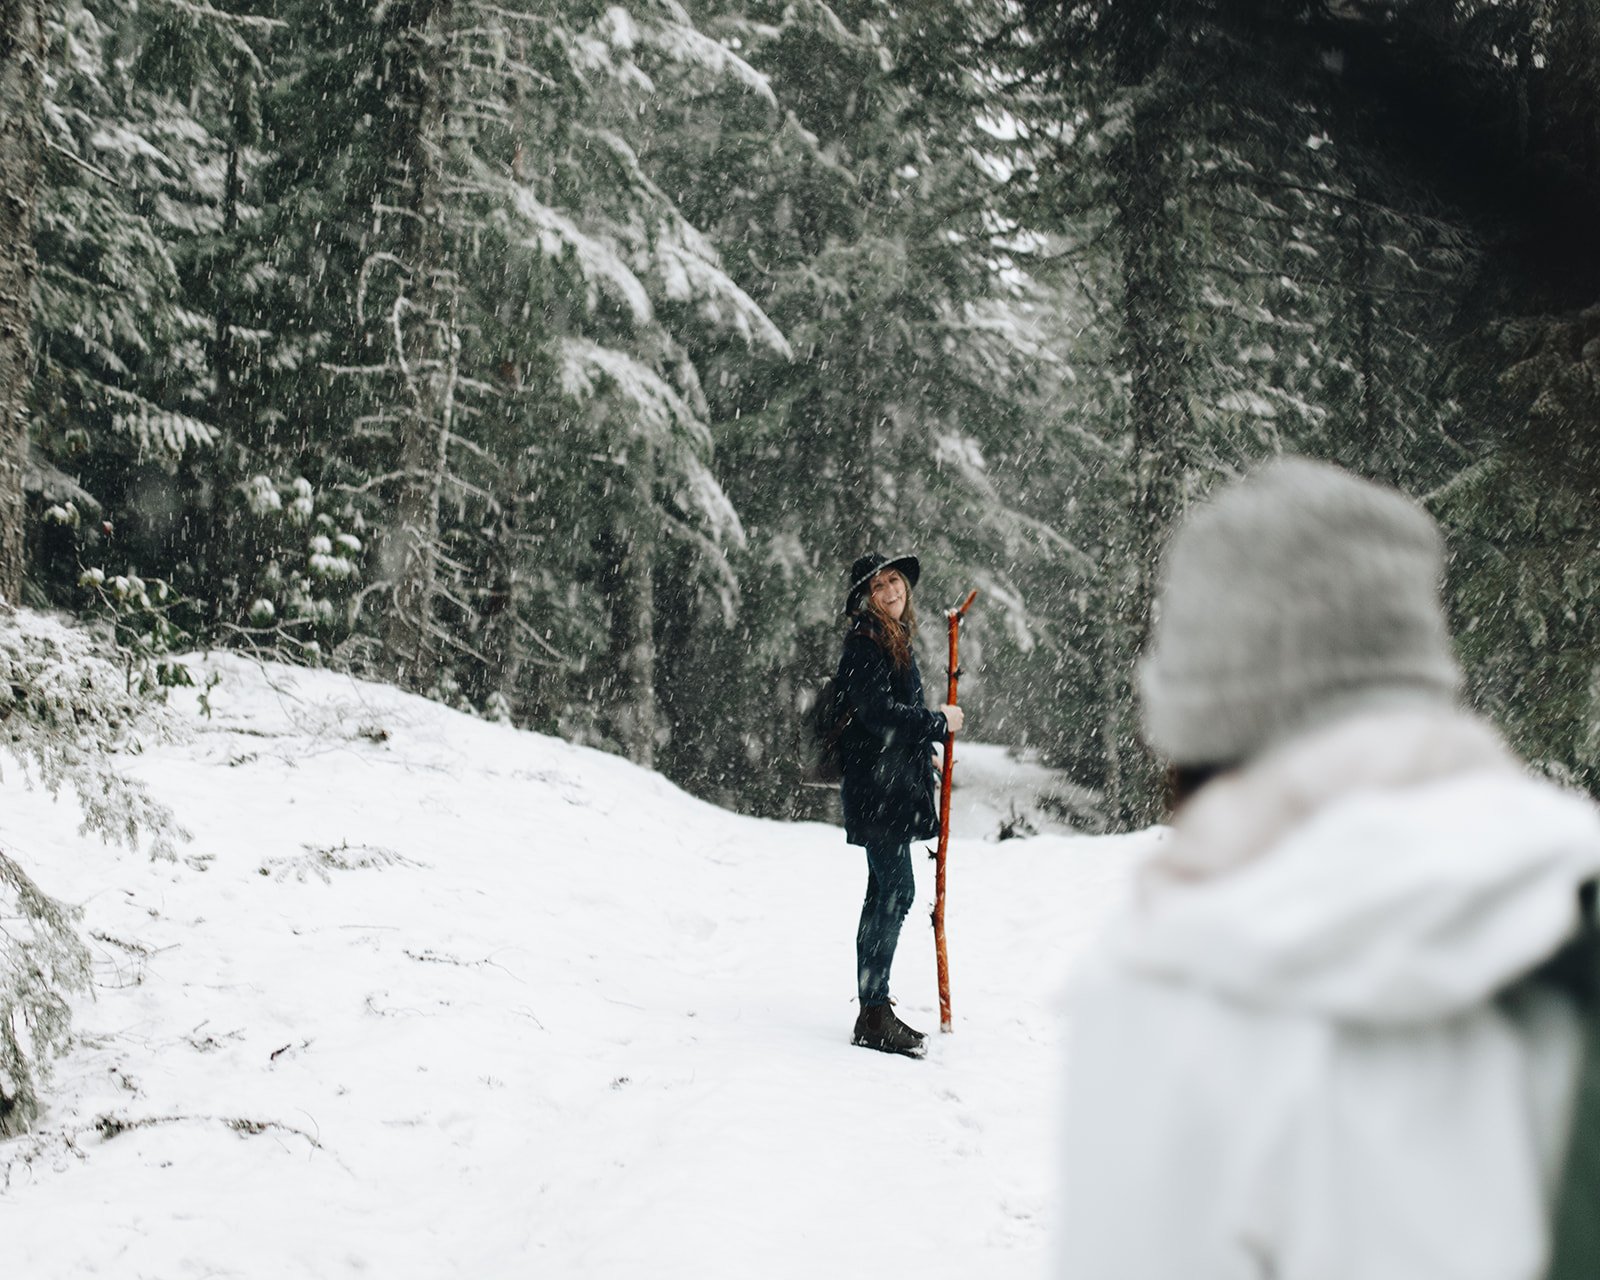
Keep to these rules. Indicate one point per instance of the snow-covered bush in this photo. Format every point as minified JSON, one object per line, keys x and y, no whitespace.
{"x":295,"y":588}
{"x":41,"y":959}
{"x":141,"y":613}
{"x":65,"y":708}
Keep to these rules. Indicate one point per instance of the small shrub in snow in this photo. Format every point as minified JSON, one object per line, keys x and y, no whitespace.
{"x":141,"y":613}
{"x":341,"y":857}
{"x":298,"y":585}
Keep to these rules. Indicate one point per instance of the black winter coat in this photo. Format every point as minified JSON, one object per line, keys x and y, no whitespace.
{"x":890,"y":790}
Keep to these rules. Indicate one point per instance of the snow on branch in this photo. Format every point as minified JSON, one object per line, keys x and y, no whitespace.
{"x":65,"y":709}
{"x":813,"y":17}
{"x":589,"y":371}
{"x":999,"y":597}
{"x":722,"y":303}
{"x":679,"y":42}
{"x":160,"y":430}
{"x":120,"y":140}
{"x":632,"y":173}
{"x":41,"y":961}
{"x":250,"y":22}
{"x":710,"y":555}
{"x":556,"y":236}
{"x":686,"y":263}
{"x":962,"y":455}
{"x":655,"y":410}
{"x":699,"y":494}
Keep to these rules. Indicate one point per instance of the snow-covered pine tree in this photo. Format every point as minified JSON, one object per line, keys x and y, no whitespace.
{"x":65,"y":709}
{"x":528,"y":343}
{"x":610,"y":470}
{"x":1522,"y":84}
{"x":362,"y":380}
{"x":223,"y":550}
{"x":41,"y":963}
{"x":859,"y":221}
{"x":1105,"y":146}
{"x":123,"y":390}
{"x":21,"y":111}
{"x":130,"y":173}
{"x":1271,"y":282}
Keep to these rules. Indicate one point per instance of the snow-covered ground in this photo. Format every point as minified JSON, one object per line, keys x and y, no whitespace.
{"x":431,"y":998}
{"x":1000,"y":791}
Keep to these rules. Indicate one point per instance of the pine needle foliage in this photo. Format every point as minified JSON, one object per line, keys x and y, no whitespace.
{"x":42,"y":961}
{"x":65,"y":709}
{"x":1218,"y":187}
{"x":555,"y":359}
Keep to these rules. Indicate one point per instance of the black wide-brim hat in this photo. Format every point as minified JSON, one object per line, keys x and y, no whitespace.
{"x":869,"y":566}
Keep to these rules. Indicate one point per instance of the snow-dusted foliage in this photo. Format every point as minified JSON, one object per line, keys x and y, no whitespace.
{"x":556,"y":359}
{"x":65,"y":709}
{"x":41,"y":962}
{"x":1250,"y":274}
{"x":133,"y":180}
{"x":300,"y":583}
{"x":590,"y":371}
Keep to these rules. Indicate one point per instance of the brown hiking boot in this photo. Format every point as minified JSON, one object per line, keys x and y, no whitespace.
{"x":910,"y":1031}
{"x":878,"y":1028}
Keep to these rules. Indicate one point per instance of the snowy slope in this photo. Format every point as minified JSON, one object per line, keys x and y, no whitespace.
{"x":995,"y":788}
{"x":428,"y":997}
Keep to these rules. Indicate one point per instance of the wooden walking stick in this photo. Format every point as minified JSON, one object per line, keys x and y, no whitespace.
{"x":954,"y":616}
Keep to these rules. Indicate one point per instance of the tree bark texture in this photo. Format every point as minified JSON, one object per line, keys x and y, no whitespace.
{"x":629,"y":586}
{"x":21,"y":98}
{"x":1156,"y":357}
{"x":858,"y":523}
{"x":421,"y":333}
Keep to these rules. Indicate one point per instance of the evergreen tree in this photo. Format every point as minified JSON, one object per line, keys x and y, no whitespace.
{"x":21,"y":109}
{"x":1275,"y":284}
{"x":565,"y":420}
{"x":557,"y":359}
{"x":1521,"y":81}
{"x":134,"y":179}
{"x":860,"y":224}
{"x":67,"y":709}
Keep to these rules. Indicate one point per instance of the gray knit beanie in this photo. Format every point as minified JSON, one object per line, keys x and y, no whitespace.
{"x":1293,"y":593}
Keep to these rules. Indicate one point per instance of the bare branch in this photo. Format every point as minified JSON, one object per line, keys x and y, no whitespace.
{"x":79,"y":160}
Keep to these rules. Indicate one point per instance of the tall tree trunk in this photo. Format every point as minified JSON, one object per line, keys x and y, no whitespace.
{"x":410,"y":634}
{"x":21,"y":99}
{"x":1373,"y":447}
{"x":857,"y":521}
{"x":505,"y":650}
{"x":222,"y":350}
{"x":630,"y":681}
{"x":1156,"y":355}
{"x":210,"y":550}
{"x":421,"y":329}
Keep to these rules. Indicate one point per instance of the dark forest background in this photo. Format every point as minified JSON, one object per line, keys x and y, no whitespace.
{"x":555,"y":359}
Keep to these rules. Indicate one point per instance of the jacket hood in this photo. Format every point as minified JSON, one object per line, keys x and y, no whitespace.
{"x":1394,"y":867}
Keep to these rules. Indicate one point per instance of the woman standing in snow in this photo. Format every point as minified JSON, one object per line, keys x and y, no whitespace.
{"x":1311,"y":1047}
{"x":888,"y":788}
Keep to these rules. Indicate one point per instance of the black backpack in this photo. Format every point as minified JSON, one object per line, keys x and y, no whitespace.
{"x":826,"y":718}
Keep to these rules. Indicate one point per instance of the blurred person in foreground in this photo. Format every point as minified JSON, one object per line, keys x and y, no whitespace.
{"x":1321,"y":1041}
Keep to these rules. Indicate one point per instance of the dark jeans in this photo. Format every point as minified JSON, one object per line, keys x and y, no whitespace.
{"x":891,"y":889}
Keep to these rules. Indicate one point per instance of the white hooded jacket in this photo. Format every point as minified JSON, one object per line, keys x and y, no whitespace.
{"x":1294,"y":1055}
